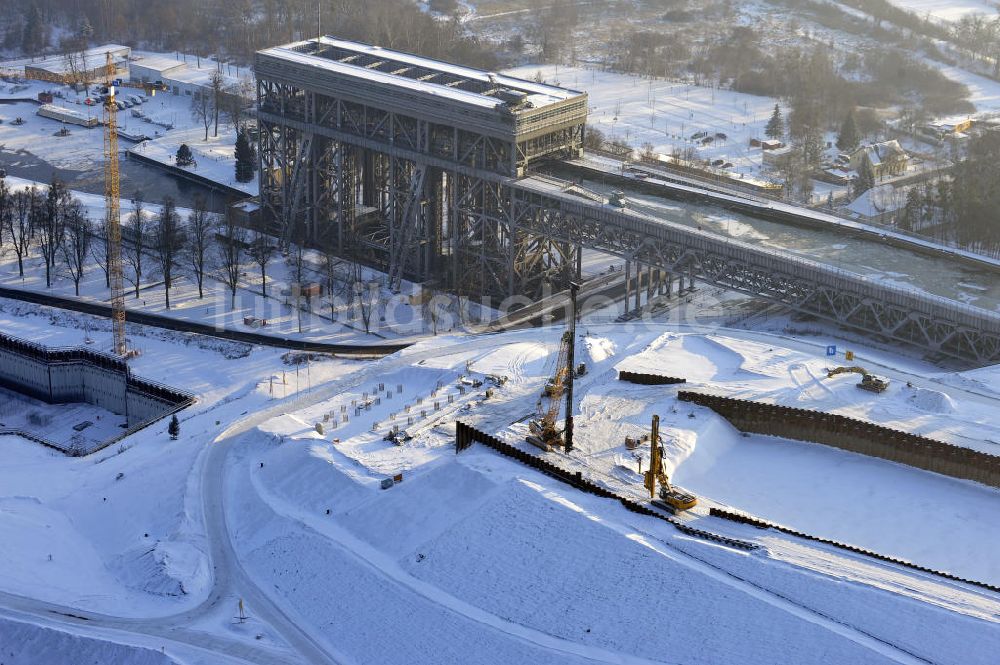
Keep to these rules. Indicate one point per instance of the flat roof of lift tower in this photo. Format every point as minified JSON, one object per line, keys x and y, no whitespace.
{"x":463,"y":85}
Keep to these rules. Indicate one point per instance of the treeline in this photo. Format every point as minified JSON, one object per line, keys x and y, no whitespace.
{"x":235,"y":29}
{"x":882,"y":77}
{"x":50,"y":223}
{"x":965,"y":204}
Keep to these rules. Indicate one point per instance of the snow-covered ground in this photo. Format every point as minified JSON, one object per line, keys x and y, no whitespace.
{"x":478,"y":537}
{"x":950,"y":11}
{"x":166,"y":118}
{"x":214,"y":158}
{"x":475,"y":557}
{"x":666,"y":114}
{"x":984,"y":93}
{"x":80,"y":150}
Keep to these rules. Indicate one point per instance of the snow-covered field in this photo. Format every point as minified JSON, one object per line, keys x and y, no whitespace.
{"x":666,"y":114}
{"x":78,"y":151}
{"x":478,"y":537}
{"x":950,"y":11}
{"x":984,"y":93}
{"x":271,"y":501}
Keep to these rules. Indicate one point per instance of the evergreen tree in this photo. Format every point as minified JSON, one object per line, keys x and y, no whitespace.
{"x":849,"y":137}
{"x":776,"y":125}
{"x":184,"y":156}
{"x":84,"y":32}
{"x":864,"y":181}
{"x":174,"y":429}
{"x":912,"y":211}
{"x":244,"y":157}
{"x":33,"y":38}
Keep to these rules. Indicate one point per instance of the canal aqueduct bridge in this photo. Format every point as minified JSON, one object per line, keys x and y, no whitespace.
{"x":425,"y":169}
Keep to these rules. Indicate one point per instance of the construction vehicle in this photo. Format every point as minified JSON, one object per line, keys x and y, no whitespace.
{"x":870,"y":382}
{"x":112,"y":220}
{"x":617,"y":199}
{"x":671,"y":498}
{"x":497,"y":379}
{"x":544,"y":431}
{"x":398,"y":437}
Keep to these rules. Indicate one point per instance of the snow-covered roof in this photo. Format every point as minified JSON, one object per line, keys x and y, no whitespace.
{"x":880,"y":152}
{"x":94,"y":57}
{"x":879,"y":200}
{"x":385,"y":66}
{"x":158,"y":63}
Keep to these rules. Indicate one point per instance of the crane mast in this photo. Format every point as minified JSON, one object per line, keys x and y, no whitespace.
{"x":544,"y":433}
{"x":112,"y":221}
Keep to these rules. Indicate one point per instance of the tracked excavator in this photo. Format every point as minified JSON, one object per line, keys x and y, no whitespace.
{"x":669,"y":497}
{"x":870,"y":382}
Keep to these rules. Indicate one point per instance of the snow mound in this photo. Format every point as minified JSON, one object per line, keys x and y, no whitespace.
{"x":165,"y":569}
{"x":600,"y":348}
{"x":668,"y":355}
{"x":931,"y":401}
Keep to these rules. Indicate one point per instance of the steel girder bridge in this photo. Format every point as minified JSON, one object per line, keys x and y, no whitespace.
{"x":545,"y":207}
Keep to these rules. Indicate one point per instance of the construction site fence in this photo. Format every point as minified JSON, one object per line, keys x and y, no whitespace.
{"x":648,"y":379}
{"x":743,"y":518}
{"x":466,"y":435}
{"x":853,"y":435}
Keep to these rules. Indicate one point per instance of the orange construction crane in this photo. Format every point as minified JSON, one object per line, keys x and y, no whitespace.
{"x":112,"y":220}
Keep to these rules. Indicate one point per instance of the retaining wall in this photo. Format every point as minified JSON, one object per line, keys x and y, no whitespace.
{"x":743,"y":518}
{"x":465,"y":435}
{"x":648,"y":379}
{"x":72,"y":374}
{"x":853,"y":435}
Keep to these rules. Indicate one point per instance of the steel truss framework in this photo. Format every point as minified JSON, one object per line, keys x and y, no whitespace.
{"x":433,"y":195}
{"x":424,"y":201}
{"x":929,"y":322}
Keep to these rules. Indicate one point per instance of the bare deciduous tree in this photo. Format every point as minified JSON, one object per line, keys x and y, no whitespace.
{"x":234,"y":101}
{"x":137,"y":230}
{"x":79,"y":233}
{"x":216,"y":83}
{"x":6,"y":211}
{"x":167,"y":243}
{"x":50,"y":225}
{"x":17,"y":224}
{"x":99,"y":251}
{"x":229,"y":250}
{"x":367,"y":295}
{"x":201,"y":109}
{"x":261,"y":251}
{"x":199,"y":239}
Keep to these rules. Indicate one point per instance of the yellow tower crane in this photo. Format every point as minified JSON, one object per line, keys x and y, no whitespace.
{"x":112,"y":221}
